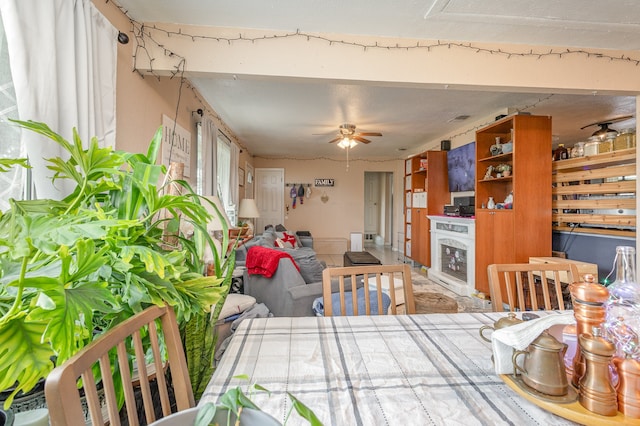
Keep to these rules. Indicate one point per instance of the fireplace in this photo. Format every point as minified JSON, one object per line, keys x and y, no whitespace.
{"x":453,"y":253}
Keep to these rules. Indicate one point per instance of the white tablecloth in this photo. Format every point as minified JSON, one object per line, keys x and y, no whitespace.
{"x":378,"y":370}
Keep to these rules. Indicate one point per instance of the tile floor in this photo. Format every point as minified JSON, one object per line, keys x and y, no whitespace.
{"x":418,"y":275}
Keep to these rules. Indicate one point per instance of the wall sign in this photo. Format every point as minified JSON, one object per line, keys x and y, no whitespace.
{"x":181,"y":151}
{"x":324,"y":182}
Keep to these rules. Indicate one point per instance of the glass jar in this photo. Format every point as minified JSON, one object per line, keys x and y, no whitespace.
{"x":607,"y":144}
{"x":625,"y":139}
{"x":578,"y":150}
{"x":591,"y":147}
{"x":622,"y":309}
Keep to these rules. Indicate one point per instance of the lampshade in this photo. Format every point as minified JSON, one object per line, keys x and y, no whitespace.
{"x":215,"y":224}
{"x":248,"y":209}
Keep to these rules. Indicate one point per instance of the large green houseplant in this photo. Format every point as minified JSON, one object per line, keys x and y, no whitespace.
{"x":72,"y":268}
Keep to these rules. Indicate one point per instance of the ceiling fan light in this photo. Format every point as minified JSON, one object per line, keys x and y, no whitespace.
{"x":347,"y":143}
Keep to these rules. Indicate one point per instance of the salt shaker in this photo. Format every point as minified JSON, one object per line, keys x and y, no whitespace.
{"x":588,"y":308}
{"x":596,"y":392}
{"x":628,"y":392}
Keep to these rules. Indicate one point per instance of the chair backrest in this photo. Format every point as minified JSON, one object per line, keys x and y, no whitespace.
{"x":61,"y":387}
{"x":530,"y":286}
{"x":387,"y":278}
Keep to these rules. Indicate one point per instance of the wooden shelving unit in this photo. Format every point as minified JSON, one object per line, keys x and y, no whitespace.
{"x":596,"y":194}
{"x":426,"y":192}
{"x":513,"y":235}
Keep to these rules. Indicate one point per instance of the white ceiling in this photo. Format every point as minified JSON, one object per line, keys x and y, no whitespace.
{"x":280,"y":117}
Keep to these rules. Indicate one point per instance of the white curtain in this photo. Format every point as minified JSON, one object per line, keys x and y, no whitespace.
{"x":233,"y":178}
{"x":63,"y":62}
{"x":210,"y":156}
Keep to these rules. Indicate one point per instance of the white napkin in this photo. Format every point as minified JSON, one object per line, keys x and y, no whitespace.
{"x":519,"y":336}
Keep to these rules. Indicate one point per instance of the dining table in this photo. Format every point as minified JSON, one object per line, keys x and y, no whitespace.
{"x":426,"y":369}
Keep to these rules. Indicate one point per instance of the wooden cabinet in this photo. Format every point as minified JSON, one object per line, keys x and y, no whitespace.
{"x":494,"y":239}
{"x":512,"y":235}
{"x":426,"y":193}
{"x":420,"y":227}
{"x":596,"y":194}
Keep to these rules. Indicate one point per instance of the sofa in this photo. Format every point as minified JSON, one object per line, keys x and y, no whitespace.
{"x":288,"y":292}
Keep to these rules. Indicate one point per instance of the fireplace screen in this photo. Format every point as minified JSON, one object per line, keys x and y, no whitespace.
{"x":454,"y":261}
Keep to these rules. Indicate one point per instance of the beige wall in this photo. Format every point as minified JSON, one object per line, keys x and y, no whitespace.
{"x":142,"y":101}
{"x":343,"y":213}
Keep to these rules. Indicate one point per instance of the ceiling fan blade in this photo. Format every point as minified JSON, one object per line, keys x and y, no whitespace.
{"x":370,"y":134}
{"x":608,"y":121}
{"x":335,"y":140}
{"x":360,"y":139}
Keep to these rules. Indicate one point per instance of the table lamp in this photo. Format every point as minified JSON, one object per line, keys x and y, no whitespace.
{"x":248,"y":210}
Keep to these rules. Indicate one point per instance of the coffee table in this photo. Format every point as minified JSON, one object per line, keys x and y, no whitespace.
{"x":357,"y":258}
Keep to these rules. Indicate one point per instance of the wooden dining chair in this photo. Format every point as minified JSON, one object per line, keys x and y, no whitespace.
{"x":530,"y":286}
{"x":62,"y":392}
{"x":394,"y":279}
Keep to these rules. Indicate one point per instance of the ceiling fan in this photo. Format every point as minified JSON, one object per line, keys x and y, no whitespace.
{"x":604,"y":125}
{"x":349,"y":138}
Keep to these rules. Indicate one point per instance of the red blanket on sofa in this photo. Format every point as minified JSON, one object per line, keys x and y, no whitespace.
{"x":264,"y":261}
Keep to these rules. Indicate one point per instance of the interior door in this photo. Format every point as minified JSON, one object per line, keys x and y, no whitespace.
{"x":269,"y":186}
{"x":372,"y":203}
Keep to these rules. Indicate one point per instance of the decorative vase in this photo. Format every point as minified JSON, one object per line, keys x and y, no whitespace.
{"x":491,"y":204}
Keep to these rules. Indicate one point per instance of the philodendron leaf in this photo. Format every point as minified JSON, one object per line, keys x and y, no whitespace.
{"x":153,"y":260}
{"x":74,"y":307}
{"x":206,"y":290}
{"x":24,"y":358}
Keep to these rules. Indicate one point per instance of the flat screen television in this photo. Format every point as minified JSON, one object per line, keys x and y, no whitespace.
{"x":461,"y":165}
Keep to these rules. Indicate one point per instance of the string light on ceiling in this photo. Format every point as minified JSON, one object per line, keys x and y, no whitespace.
{"x":143,"y":34}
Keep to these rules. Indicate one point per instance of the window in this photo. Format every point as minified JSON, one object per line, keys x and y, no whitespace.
{"x":224,"y":175}
{"x":12,"y":183}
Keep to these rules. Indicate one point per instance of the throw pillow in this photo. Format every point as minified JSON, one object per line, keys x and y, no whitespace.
{"x":310,"y":267}
{"x":236,"y":304}
{"x":318,"y":303}
{"x":268,"y":238}
{"x":287,"y":240}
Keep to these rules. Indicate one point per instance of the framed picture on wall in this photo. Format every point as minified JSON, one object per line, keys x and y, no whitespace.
{"x":240,"y":176}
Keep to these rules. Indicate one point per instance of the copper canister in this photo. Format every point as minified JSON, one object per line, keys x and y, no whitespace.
{"x":628,"y":386}
{"x":588,"y":300}
{"x":595,"y":391}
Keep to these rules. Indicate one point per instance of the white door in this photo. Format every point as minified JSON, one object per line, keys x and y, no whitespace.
{"x":371,"y":203}
{"x":269,"y":186}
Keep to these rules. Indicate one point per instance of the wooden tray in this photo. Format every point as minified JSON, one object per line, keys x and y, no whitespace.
{"x":572,"y":411}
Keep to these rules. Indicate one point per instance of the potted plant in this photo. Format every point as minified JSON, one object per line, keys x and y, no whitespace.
{"x":73,"y":268}
{"x":504,"y":169}
{"x":236,"y":408}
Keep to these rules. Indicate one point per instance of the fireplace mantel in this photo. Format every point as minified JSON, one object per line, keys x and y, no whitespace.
{"x":453,"y":253}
